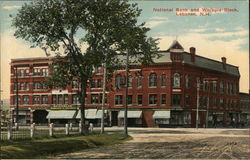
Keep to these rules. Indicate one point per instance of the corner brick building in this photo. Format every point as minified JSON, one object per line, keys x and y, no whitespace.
{"x":162,"y":94}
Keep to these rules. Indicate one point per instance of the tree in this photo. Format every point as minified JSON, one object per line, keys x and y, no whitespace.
{"x":108,"y":28}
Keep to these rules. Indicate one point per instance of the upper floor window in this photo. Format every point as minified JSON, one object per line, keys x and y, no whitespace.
{"x":36,"y":71}
{"x":118,"y":79}
{"x":163,"y":99}
{"x":45,"y":71}
{"x":99,"y":83}
{"x":163,"y":80}
{"x":44,"y":99}
{"x":230,"y":88}
{"x":139,"y":81}
{"x":60,"y":99}
{"x":130,"y":99}
{"x":152,"y":99}
{"x":118,"y":99}
{"x":92,"y":83}
{"x":37,"y":85}
{"x":130,"y":81}
{"x":176,"y":99}
{"x":75,"y":99}
{"x":214,"y":87}
{"x":187,"y":99}
{"x":176,"y":83}
{"x":187,"y":81}
{"x":36,"y":99}
{"x":74,"y":85}
{"x":221,"y":87}
{"x":25,"y":99}
{"x":94,"y":98}
{"x":66,"y":99}
{"x":152,"y":80}
{"x":139,"y":99}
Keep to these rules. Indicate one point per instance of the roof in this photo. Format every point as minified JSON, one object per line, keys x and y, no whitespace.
{"x":175,"y":46}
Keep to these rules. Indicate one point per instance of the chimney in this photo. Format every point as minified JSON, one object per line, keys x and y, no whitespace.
{"x":192,"y":52}
{"x":224,"y":62}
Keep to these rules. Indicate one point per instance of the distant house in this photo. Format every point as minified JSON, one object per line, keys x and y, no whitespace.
{"x":162,"y":94}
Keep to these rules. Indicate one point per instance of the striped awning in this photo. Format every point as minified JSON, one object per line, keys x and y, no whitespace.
{"x":161,"y":115}
{"x":62,"y":114}
{"x":131,"y":114}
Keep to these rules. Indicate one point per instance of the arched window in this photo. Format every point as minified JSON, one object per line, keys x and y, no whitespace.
{"x":152,"y":80}
{"x":129,"y":81}
{"x":118,"y":79}
{"x":187,"y":81}
{"x":176,"y":83}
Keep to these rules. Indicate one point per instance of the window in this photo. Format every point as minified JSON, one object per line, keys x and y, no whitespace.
{"x":45,"y":71}
{"x":139,"y":99}
{"x":54,"y":97}
{"x":21,"y":72}
{"x":176,"y":100}
{"x":163,"y":99}
{"x":15,"y":99}
{"x":176,"y":83}
{"x":25,"y":99}
{"x":130,"y":99}
{"x":36,"y":71}
{"x":92,"y":83}
{"x":163,"y":80}
{"x":94,"y":98}
{"x":152,"y":80}
{"x":66,"y":99}
{"x":139,"y":82}
{"x":221,"y":102}
{"x":130,"y":81}
{"x":221,"y":87}
{"x":118,"y":99}
{"x":74,"y":85}
{"x":37,"y":85}
{"x":215,"y":102}
{"x":22,"y":86}
{"x":214,"y":87}
{"x":60,"y":99}
{"x":26,"y":86}
{"x":44,"y":99}
{"x":118,"y":79}
{"x":75,"y":99}
{"x":99,"y":83}
{"x":26,"y":72}
{"x":104,"y":99}
{"x":36,"y":99}
{"x":152,"y":99}
{"x":187,"y":99}
{"x":187,"y":82}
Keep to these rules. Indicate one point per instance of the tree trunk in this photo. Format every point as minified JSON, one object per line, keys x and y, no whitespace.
{"x":84,"y":128}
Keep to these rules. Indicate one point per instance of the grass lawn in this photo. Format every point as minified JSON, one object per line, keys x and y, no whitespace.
{"x":49,"y":147}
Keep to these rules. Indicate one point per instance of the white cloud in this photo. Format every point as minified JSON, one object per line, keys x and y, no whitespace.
{"x":215,"y":50}
{"x":11,"y":7}
{"x":155,"y":21}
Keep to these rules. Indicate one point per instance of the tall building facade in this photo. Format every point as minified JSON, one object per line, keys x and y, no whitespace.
{"x":162,"y":94}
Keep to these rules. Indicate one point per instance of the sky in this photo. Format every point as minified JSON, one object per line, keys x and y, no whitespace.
{"x":215,"y":33}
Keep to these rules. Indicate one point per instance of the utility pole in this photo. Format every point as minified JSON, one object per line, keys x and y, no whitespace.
{"x":198,"y":103}
{"x":207,"y":104}
{"x":103,"y":95}
{"x":126,"y":96}
{"x":17,"y":99}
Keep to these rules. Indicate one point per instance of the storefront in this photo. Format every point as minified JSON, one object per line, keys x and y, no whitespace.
{"x":161,"y":118}
{"x":134,"y":118}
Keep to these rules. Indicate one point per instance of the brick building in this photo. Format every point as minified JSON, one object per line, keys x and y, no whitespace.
{"x":245,"y":109}
{"x":162,"y":94}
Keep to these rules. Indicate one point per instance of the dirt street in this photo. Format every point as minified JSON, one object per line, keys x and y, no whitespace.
{"x":157,"y":143}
